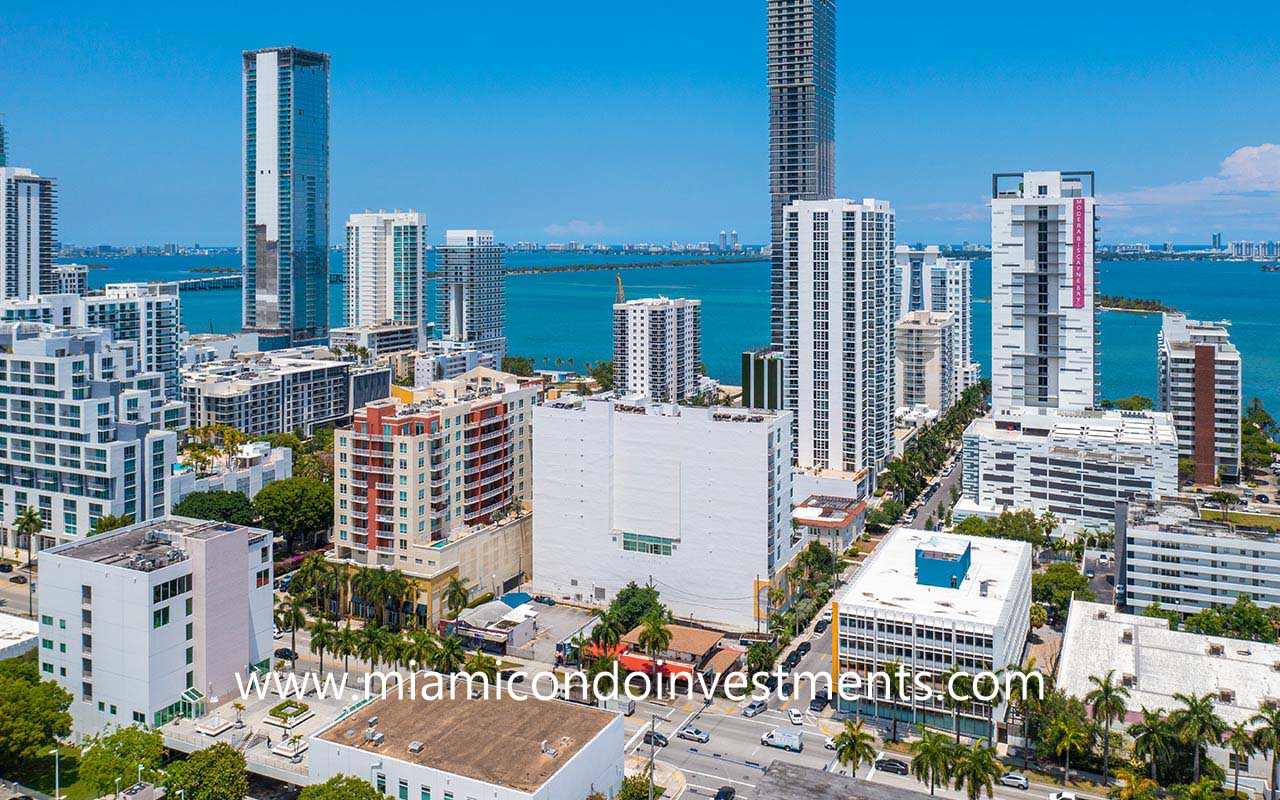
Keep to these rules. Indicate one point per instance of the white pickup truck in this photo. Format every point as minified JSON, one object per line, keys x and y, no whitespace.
{"x":784,"y":740}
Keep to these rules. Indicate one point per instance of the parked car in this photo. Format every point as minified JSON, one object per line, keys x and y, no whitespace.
{"x":1063,"y":796}
{"x":821,"y":627}
{"x":286,"y":653}
{"x":818,"y":703}
{"x":18,"y":579}
{"x":893,"y":766}
{"x":753,"y":708}
{"x":784,"y":740}
{"x":512,"y":675}
{"x":656,"y":739}
{"x":1089,"y":573}
{"x":544,"y":600}
{"x":276,"y":633}
{"x":1262,"y":498}
{"x":726,"y":793}
{"x":6,"y":567}
{"x":796,"y":716}
{"x":830,"y":743}
{"x":694,"y":734}
{"x":803,"y":648}
{"x":1015,"y":779}
{"x":793,"y":658}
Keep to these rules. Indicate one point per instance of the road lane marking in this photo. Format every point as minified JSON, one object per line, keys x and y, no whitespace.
{"x":718,"y":777}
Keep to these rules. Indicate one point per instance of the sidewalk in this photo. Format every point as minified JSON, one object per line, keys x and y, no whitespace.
{"x":664,"y":775}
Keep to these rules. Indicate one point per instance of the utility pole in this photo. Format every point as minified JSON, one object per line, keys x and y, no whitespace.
{"x":653,"y":749}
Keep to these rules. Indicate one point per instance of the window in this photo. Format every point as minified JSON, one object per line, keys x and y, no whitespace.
{"x":424,"y":793}
{"x":403,"y":789}
{"x":47,"y":644}
{"x":264,"y":577}
{"x":45,"y":619}
{"x":190,"y":654}
{"x":189,"y":631}
{"x":140,"y":718}
{"x":46,"y":668}
{"x":188,"y":606}
{"x":160,"y":617}
{"x":380,"y":782}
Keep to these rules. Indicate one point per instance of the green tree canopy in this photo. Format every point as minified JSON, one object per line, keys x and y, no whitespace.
{"x":341,"y":787}
{"x":289,"y":440}
{"x":1057,"y":583}
{"x":295,"y":507}
{"x":118,"y":753}
{"x":33,"y":715}
{"x":214,"y":773}
{"x":633,"y":603}
{"x":518,"y":365}
{"x":602,"y":372}
{"x":233,"y":507}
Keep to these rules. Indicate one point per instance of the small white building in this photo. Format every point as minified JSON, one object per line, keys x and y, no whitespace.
{"x":254,"y":466}
{"x":696,"y":500}
{"x":154,"y":621}
{"x":455,"y":748}
{"x":1155,"y":663}
{"x":1075,"y":464}
{"x":932,"y":602}
{"x":17,"y":635}
{"x":383,"y":338}
{"x":444,"y":360}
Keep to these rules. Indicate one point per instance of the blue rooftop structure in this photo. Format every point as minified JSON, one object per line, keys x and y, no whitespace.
{"x":942,"y":562}
{"x":516,"y":599}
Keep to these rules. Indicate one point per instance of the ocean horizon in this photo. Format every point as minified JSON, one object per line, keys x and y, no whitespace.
{"x":563,"y":318}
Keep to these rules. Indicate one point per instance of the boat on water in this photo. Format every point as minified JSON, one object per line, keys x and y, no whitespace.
{"x":1271,"y":267}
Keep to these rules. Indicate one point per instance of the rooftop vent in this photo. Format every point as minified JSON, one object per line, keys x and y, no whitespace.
{"x":984,"y":588}
{"x":547,"y":750}
{"x":1215,"y":649}
{"x":1127,"y":637}
{"x":1128,"y":680}
{"x":1226,"y":696}
{"x":415,"y":747}
{"x":1102,"y":615}
{"x":373,"y":721}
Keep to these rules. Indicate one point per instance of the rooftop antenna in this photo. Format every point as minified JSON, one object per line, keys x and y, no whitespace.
{"x":620,"y":297}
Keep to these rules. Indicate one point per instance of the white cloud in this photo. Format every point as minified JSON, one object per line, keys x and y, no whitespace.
{"x":578,"y":228}
{"x":1243,"y":199}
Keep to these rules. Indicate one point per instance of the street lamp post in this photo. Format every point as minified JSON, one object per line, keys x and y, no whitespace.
{"x":117,"y":789}
{"x":57,"y":774}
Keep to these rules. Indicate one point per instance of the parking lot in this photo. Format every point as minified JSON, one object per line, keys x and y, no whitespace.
{"x":555,"y":623}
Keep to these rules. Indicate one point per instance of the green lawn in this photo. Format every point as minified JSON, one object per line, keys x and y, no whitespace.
{"x":38,"y":775}
{"x":1248,"y":518}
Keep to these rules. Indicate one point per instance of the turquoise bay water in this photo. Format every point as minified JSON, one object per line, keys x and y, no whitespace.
{"x":567,"y":315}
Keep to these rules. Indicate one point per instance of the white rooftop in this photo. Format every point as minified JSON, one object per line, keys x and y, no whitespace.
{"x":1093,"y":427}
{"x":887,"y":579}
{"x":1160,"y":662}
{"x":17,"y":635}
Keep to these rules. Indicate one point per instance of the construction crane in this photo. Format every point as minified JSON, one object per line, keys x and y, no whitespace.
{"x":619,"y":297}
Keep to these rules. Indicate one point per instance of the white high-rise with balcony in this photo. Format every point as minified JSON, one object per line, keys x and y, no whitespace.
{"x":924,"y":280}
{"x":386,"y":264}
{"x":1044,"y":326}
{"x":657,"y":348}
{"x":838,"y":332}
{"x":923,"y":361}
{"x":28,"y":232}
{"x":470,"y":304}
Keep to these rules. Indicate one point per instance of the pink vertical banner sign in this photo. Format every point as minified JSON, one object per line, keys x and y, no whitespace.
{"x":1077,"y":253}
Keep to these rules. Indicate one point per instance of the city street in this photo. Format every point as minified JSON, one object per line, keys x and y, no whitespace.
{"x":1038,"y":791}
{"x":941,"y":498}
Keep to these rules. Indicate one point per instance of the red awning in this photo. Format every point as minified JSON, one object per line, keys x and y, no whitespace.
{"x":642,"y":663}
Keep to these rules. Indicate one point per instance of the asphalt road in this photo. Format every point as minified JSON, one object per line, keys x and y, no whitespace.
{"x":1037,"y":791}
{"x":941,"y":498}
{"x":13,"y":596}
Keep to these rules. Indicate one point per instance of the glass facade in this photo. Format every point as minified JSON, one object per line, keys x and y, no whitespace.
{"x":286,"y":200}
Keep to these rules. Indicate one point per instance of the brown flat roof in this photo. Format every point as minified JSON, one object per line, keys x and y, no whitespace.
{"x":495,"y":740}
{"x":683,"y":639}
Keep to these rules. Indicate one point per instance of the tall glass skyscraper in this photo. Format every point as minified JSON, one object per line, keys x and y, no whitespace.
{"x":286,"y":196}
{"x":802,"y":101}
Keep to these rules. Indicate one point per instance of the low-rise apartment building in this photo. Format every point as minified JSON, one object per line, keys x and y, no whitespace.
{"x":282,"y":391}
{"x":1075,"y":464}
{"x":253,"y":466}
{"x":380,"y":339}
{"x":696,"y":501}
{"x":146,"y":623}
{"x":931,"y":602}
{"x":84,"y":432}
{"x":1167,"y":554}
{"x":1200,"y":386}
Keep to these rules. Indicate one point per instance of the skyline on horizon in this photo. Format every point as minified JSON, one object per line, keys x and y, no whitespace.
{"x":471,"y":128}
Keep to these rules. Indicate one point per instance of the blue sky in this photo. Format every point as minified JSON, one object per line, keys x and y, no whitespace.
{"x":646,"y":121}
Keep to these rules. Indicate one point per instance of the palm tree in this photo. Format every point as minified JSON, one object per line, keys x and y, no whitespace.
{"x":760,"y":658}
{"x":1133,"y":786}
{"x":607,"y":631}
{"x":654,"y":637}
{"x":322,"y":638}
{"x":1266,"y":738}
{"x":1153,"y":739}
{"x":961,"y":697}
{"x":456,"y":595}
{"x":1239,"y":741}
{"x":894,"y":669}
{"x":365,"y":582}
{"x":933,"y":756}
{"x":1197,"y":725}
{"x":396,"y":587}
{"x":482,"y":664}
{"x":292,"y":614}
{"x":346,"y":643}
{"x":421,"y":647}
{"x":992,"y":686}
{"x":29,"y":523}
{"x":449,"y":655}
{"x":308,"y":576}
{"x":1107,"y":699}
{"x":372,"y":644}
{"x":1070,"y":737}
{"x":1028,"y":704}
{"x":110,"y":522}
{"x":976,"y":770}
{"x":854,"y":746}
{"x":602,"y":665}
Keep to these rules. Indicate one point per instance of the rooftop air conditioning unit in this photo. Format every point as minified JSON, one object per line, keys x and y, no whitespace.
{"x":415,"y":747}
